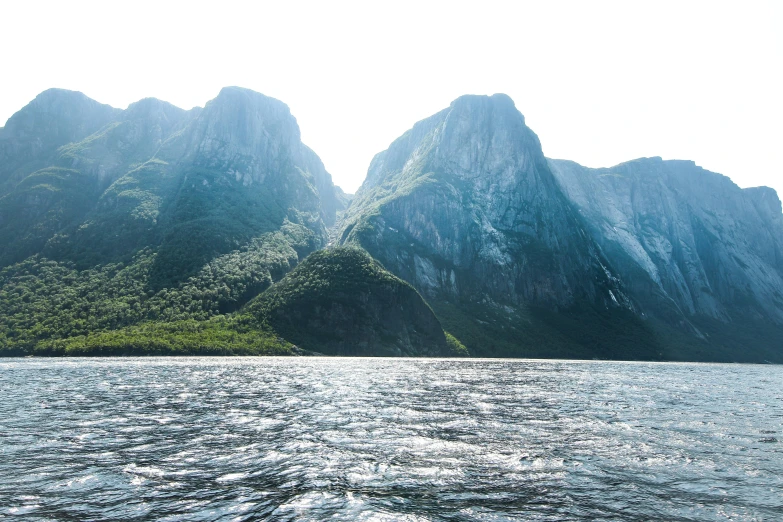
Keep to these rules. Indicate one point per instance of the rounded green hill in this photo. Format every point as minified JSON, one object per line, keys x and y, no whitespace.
{"x":342,"y":302}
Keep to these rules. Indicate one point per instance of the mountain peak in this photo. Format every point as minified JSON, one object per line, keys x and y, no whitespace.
{"x":476,"y":136}
{"x":250,"y":99}
{"x":473,"y":105}
{"x":766,"y":200}
{"x":53,"y":107}
{"x":149,"y":106}
{"x":58,"y":93}
{"x":248,"y":118}
{"x":253,"y":138}
{"x":54,"y":118}
{"x":498,"y":99}
{"x":234,"y":90}
{"x":486,"y":136}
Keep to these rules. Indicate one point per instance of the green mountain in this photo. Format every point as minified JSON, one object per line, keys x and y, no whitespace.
{"x":342,"y":302}
{"x":147,"y":230}
{"x":155,"y":230}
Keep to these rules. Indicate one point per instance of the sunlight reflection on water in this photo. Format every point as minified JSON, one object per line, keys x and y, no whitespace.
{"x":389,"y":439}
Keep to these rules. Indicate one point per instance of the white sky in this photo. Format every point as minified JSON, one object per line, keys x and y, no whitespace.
{"x":600,"y":82}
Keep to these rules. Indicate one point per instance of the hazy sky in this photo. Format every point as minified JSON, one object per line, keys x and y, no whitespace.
{"x":599,"y":82}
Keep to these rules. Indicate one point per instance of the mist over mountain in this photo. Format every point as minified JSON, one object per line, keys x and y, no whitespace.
{"x":160,"y":230}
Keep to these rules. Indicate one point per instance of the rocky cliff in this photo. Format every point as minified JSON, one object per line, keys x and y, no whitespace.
{"x":56,"y":117}
{"x":688,"y":243}
{"x":464,"y":205}
{"x":154,"y":174}
{"x":465,"y":208}
{"x":519,"y":255}
{"x":256,"y":140}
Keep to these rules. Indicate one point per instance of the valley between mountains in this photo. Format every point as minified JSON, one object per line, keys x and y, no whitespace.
{"x":216,"y":231}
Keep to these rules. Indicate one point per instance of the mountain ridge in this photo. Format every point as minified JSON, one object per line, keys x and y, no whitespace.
{"x":460,"y":140}
{"x":154,"y":230}
{"x":162,"y":230}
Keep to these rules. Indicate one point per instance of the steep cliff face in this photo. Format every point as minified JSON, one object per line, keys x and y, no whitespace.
{"x":132,"y":138}
{"x":686,"y":241}
{"x":256,"y":140}
{"x":341,"y":302}
{"x":465,"y":208}
{"x":235,"y":171}
{"x":464,"y":205}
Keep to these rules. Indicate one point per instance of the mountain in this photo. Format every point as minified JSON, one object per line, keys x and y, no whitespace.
{"x":465,"y":208}
{"x":38,"y":206}
{"x":523,"y":256}
{"x":156,"y":230}
{"x":151,"y":215}
{"x":55,"y":117}
{"x":193,"y":186}
{"x":694,"y":249}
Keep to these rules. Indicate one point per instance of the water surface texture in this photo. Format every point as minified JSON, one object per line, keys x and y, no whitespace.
{"x":388,"y":439}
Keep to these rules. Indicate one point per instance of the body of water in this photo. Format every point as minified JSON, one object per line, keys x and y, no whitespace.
{"x":388,"y":439}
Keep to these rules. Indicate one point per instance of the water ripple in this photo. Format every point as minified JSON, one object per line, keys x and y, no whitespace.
{"x":388,"y":439}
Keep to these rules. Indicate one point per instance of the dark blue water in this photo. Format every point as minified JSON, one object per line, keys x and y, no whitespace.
{"x":385,"y":439}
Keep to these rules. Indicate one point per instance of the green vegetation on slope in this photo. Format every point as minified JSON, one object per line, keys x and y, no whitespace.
{"x":234,"y":335}
{"x":337,"y":301}
{"x":326,"y":273}
{"x":577,"y":333}
{"x":341,"y":301}
{"x":147,"y":230}
{"x":456,"y":347}
{"x":38,"y":207}
{"x":585,"y":333}
{"x":42,"y":300}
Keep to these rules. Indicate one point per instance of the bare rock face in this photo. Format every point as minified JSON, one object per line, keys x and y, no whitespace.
{"x":253,"y":137}
{"x":520,"y":255}
{"x":133,"y":138}
{"x":685,"y":241}
{"x":464,"y":206}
